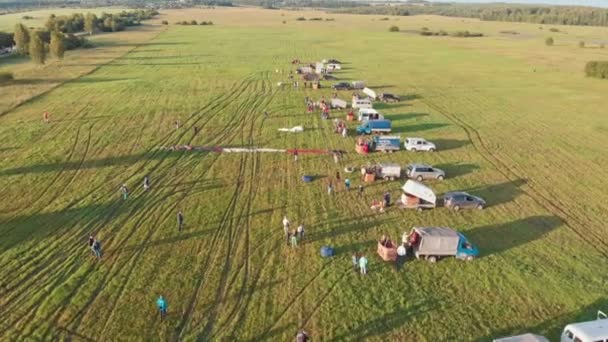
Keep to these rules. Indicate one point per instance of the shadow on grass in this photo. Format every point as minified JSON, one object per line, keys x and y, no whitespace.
{"x":553,"y":326}
{"x":498,"y":238}
{"x":449,"y":144}
{"x":391,"y":321}
{"x":34,"y":81}
{"x":418,"y":128}
{"x":87,"y":164}
{"x":101,"y":80}
{"x":498,"y":193}
{"x":457,"y":170}
{"x":406,"y":116}
{"x":335,"y":228}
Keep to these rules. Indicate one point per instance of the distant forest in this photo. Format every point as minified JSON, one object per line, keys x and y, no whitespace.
{"x":564,"y":15}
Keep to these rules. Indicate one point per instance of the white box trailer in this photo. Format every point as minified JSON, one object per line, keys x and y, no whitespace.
{"x":417,"y":196}
{"x":590,"y":331}
{"x":338,"y":103}
{"x":319,"y":68}
{"x":370,"y":93}
{"x":369,"y":114}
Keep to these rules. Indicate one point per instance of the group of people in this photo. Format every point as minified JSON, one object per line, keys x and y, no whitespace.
{"x":292,"y":236}
{"x":360,"y":263}
{"x":381,"y":205}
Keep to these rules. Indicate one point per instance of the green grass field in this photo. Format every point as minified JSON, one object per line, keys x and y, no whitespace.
{"x":515,"y":121}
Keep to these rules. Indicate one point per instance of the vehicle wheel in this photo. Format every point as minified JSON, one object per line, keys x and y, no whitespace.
{"x":392,"y":178}
{"x":469,"y":258}
{"x":479,"y":207}
{"x":432,"y":150}
{"x":432,"y":259}
{"x":386,"y":178}
{"x":419,"y":178}
{"x":419,"y":209}
{"x":414,"y":150}
{"x":440,"y":178}
{"x":456,"y":208}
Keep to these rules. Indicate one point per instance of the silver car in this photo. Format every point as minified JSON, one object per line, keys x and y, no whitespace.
{"x":421,"y":172}
{"x":461,"y":200}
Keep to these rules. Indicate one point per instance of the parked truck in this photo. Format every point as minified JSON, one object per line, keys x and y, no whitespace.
{"x":432,"y":243}
{"x":590,"y":331}
{"x":374,"y":126}
{"x":386,"y":143}
{"x":369,"y":114}
{"x":386,"y":171}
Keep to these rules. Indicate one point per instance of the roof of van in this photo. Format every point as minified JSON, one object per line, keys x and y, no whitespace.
{"x":523,"y":338}
{"x":592,"y":330}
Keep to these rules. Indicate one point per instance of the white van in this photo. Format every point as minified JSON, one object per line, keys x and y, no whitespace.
{"x":361,"y":103}
{"x":366,"y":114}
{"x":592,"y":331}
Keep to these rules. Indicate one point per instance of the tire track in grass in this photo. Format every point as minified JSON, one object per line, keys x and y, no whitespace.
{"x":510,"y":174}
{"x":168,"y":136}
{"x":229,"y":226}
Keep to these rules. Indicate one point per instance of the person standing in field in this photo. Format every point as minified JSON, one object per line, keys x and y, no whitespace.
{"x":330,"y":188}
{"x":161,"y":303}
{"x":363,"y":265}
{"x":344,"y":132}
{"x":347,"y":184}
{"x":97,"y":248}
{"x":125,"y":191}
{"x":146,"y":183}
{"x":360,"y":190}
{"x":45,"y":117}
{"x":180,"y":220}
{"x":295,"y":155}
{"x":294,"y":239}
{"x":91,"y":242}
{"x":286,"y":224}
{"x":300,"y":231}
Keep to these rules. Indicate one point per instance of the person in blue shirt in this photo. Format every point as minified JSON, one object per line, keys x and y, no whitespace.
{"x":347,"y":184}
{"x":162,"y":307}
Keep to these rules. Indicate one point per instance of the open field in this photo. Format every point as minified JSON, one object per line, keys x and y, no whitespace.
{"x":515,"y":121}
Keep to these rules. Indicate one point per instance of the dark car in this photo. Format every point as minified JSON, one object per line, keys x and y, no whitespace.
{"x":462,"y":200}
{"x":342,"y":86}
{"x":333,"y":61}
{"x":385,"y":97}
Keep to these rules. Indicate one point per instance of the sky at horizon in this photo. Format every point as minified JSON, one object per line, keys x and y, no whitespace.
{"x":596,"y":3}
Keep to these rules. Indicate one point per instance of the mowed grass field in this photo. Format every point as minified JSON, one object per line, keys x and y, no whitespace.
{"x":515,"y":122}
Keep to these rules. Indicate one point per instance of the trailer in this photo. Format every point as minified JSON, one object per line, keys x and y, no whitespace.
{"x":361,"y":102}
{"x":386,"y":143}
{"x":338,"y":103}
{"x":433,"y":243}
{"x":370,"y":93}
{"x":417,"y":196}
{"x":386,"y":171}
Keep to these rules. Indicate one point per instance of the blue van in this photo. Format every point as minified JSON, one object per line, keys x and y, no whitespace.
{"x":374,"y":126}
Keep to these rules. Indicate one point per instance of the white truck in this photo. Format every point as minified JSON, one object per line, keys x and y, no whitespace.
{"x":361,"y":102}
{"x":369,"y":114}
{"x":338,"y":104}
{"x":590,"y":331}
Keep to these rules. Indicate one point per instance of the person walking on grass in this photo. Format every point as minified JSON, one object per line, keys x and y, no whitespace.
{"x":91,"y":242}
{"x":180,"y":220}
{"x":360,"y":190}
{"x":300,"y":231}
{"x":161,"y":303}
{"x":45,"y":117}
{"x":347,"y":184}
{"x":97,"y":248}
{"x":146,"y":183}
{"x":294,"y":239}
{"x":355,"y":259}
{"x":125,"y":191}
{"x":286,"y":224}
{"x":330,"y":188}
{"x":295,"y":155}
{"x":363,"y":265}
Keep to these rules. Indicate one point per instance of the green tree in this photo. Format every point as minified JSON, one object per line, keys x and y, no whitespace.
{"x":57,"y":45}
{"x":393,"y":29}
{"x":90,"y":23}
{"x":549,"y":41}
{"x":22,"y":39}
{"x":37,"y":50}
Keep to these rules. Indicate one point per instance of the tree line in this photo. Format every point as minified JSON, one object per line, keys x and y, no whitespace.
{"x":57,"y":36}
{"x":559,"y":15}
